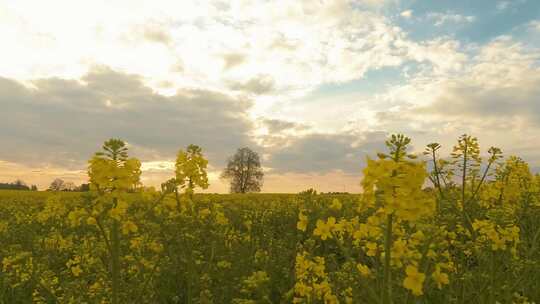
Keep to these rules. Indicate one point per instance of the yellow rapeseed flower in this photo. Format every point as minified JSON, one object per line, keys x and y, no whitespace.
{"x":414,"y":280}
{"x":302,"y":222}
{"x":439,"y":277}
{"x":76,"y":270}
{"x":324,"y":230}
{"x":371,"y":248}
{"x":91,"y":221}
{"x":129,"y":227}
{"x":336,"y":205}
{"x":363,"y":269}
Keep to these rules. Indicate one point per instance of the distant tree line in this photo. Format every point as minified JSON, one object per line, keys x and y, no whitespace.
{"x":56,"y":185}
{"x":312,"y":191}
{"x":60,"y":185}
{"x":17,"y":185}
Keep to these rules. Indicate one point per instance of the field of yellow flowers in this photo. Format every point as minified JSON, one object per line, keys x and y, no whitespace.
{"x":426,"y":229}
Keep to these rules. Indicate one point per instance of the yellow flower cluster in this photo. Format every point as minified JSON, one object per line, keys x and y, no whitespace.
{"x":324,"y":229}
{"x":439,"y":277}
{"x":302,"y":221}
{"x":514,"y":186}
{"x":414,"y":280}
{"x":74,"y":265}
{"x":499,"y":238}
{"x":397,"y":186}
{"x":312,"y":282}
{"x":112,"y":175}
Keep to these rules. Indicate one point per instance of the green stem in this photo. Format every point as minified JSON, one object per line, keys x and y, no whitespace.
{"x":437,"y":177}
{"x":482,"y":180}
{"x":464,"y":175}
{"x":492,"y":278}
{"x":467,"y":222}
{"x":115,"y":264}
{"x":387,"y":288}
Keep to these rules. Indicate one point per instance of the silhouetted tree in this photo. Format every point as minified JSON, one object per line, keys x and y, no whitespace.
{"x":57,"y":185}
{"x":244,"y":171}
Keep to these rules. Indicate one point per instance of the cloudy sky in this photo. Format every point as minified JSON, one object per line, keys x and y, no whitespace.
{"x":312,"y":85}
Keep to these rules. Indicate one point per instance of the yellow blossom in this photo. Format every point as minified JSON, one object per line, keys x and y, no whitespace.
{"x":135,"y":243}
{"x":336,"y":205}
{"x":156,"y":247}
{"x":324,"y":230}
{"x":91,"y":221}
{"x":76,"y":270}
{"x":371,"y":248}
{"x":363,"y":269}
{"x":414,"y":280}
{"x":129,"y":227}
{"x":439,"y":277}
{"x":302,"y":222}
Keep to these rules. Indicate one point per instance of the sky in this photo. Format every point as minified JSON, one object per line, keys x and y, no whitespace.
{"x":313,"y":86}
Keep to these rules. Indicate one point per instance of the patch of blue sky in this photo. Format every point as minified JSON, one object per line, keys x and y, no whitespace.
{"x":373,"y":82}
{"x":491,"y":18}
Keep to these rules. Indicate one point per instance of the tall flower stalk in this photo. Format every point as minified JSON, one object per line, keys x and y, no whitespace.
{"x":394,"y":183}
{"x":112,"y":174}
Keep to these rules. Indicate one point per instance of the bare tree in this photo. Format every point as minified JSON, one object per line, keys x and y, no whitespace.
{"x":57,"y":185}
{"x":244,"y":171}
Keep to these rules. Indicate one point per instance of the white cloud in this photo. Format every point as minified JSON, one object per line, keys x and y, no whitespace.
{"x":506,"y":5}
{"x":407,"y":14}
{"x":441,"y":19}
{"x":206,"y":44}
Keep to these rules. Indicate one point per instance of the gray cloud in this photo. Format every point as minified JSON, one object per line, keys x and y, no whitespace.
{"x":327,"y":152}
{"x":278,"y":125}
{"x":233,"y":59}
{"x":154,"y":32}
{"x":62,"y":122}
{"x":261,"y":84}
{"x":149,"y":32}
{"x":281,"y":42}
{"x":156,"y":35}
{"x":461,"y":99}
